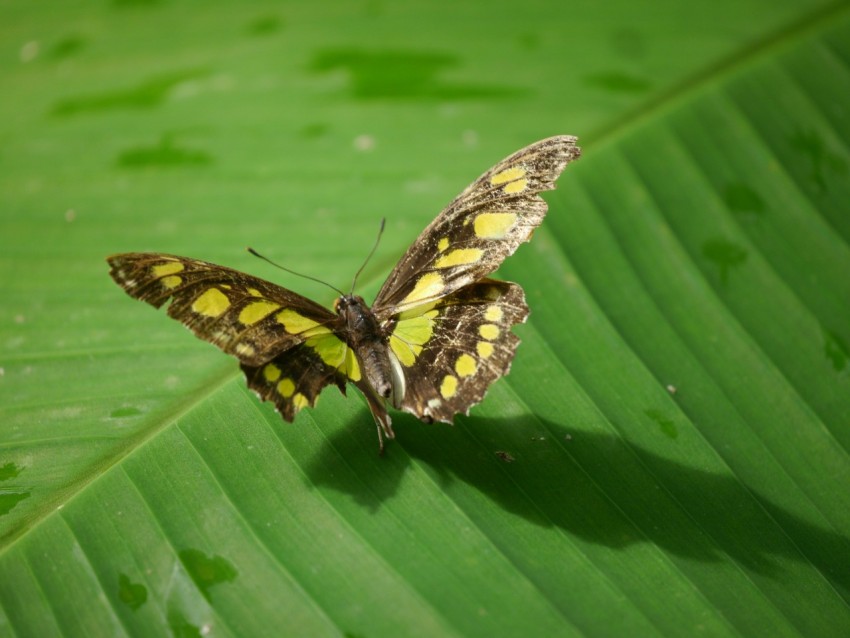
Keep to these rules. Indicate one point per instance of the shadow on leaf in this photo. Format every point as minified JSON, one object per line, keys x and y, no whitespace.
{"x":592,"y":485}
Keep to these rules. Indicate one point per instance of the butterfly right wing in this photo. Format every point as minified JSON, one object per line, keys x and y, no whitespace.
{"x":288,"y":345}
{"x":451,"y":353}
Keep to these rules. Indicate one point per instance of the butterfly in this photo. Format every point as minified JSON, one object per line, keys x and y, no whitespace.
{"x":437,"y":335}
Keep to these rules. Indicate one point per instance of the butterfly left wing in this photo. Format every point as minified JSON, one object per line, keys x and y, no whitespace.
{"x":287,"y":345}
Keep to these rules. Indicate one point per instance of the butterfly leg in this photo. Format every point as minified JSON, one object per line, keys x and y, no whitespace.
{"x":385,"y":427}
{"x":378,"y":407}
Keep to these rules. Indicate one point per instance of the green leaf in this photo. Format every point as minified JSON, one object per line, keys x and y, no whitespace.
{"x":669,"y":455}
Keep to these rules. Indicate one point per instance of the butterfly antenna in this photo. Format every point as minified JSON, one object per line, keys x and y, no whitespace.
{"x":371,"y":252}
{"x":292,"y":272}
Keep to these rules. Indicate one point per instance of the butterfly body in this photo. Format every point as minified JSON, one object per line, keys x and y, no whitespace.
{"x":368,"y":341}
{"x":437,"y":335}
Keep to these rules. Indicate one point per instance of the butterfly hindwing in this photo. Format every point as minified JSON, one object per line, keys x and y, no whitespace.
{"x":453,"y":349}
{"x":294,"y":379}
{"x":479,"y":229}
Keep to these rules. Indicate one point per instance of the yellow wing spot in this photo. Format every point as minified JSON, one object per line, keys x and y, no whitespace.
{"x":465,"y":366}
{"x":328,"y":347}
{"x":172,"y":281}
{"x":448,"y":387}
{"x":443,"y":244}
{"x":411,"y":334}
{"x":459,"y":257}
{"x":352,"y":368}
{"x":508,"y":175}
{"x":297,"y":324}
{"x":428,"y":285}
{"x":161,"y":270}
{"x":286,"y":387}
{"x":404,"y":352}
{"x":254,"y":292}
{"x":493,"y":313}
{"x":271,"y":372}
{"x":418,"y":310}
{"x":335,"y":353}
{"x":511,"y":188}
{"x":300,"y":401}
{"x":493,"y":225}
{"x":212,"y":303}
{"x":489,"y":331}
{"x":255,"y":311}
{"x":484,"y":349}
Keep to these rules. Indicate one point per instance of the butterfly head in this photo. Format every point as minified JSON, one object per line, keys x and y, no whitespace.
{"x":350,"y":306}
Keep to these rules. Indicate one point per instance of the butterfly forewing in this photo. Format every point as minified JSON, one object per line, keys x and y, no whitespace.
{"x":245,"y":316}
{"x":479,"y":229}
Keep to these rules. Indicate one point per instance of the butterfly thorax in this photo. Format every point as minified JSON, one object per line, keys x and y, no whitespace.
{"x":365,"y":336}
